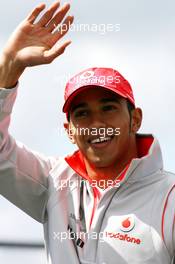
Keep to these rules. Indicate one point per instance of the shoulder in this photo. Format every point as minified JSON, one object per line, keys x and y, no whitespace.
{"x":169,"y":179}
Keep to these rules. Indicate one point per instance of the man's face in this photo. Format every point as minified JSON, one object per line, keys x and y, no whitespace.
{"x":100,"y":126}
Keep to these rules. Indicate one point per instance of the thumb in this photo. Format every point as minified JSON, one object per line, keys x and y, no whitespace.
{"x":55,"y":51}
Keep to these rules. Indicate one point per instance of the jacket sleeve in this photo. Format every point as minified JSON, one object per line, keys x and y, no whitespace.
{"x":168,"y":220}
{"x":23,"y":173}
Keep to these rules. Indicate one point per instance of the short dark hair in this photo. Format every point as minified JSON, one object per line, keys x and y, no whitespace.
{"x":130,"y":107}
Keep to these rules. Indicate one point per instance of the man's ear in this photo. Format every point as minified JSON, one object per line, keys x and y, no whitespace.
{"x":136,"y":119}
{"x":70,"y":132}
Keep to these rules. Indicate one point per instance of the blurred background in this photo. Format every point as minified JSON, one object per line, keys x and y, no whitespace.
{"x":141,"y":46}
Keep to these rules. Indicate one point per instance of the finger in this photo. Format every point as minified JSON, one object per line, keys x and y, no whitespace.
{"x":57,"y":19}
{"x":55,"y":51}
{"x":34,"y":14}
{"x":63,"y":28}
{"x":48,"y":14}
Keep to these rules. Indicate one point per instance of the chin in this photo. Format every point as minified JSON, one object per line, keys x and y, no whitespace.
{"x":99,"y":162}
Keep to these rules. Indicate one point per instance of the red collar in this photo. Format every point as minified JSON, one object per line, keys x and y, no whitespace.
{"x":76,"y":160}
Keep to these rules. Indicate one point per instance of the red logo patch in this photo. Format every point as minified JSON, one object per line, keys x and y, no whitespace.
{"x":127,"y":224}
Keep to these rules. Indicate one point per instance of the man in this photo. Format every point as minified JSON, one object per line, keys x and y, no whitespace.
{"x":111,"y":201}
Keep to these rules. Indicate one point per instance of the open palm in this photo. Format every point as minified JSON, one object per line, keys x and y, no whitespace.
{"x":34,"y":43}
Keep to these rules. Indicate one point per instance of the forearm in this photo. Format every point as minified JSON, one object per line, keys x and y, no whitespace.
{"x":23,"y":172}
{"x":10,"y":71}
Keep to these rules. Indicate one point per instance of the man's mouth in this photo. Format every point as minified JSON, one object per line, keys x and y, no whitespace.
{"x":100,"y":141}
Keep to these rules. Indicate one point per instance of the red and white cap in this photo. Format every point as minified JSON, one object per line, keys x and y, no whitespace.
{"x":99,"y":77}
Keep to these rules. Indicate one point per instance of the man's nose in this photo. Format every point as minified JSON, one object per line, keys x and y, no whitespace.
{"x":97,"y":120}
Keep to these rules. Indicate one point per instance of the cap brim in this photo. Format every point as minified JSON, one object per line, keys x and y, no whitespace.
{"x":67,"y":104}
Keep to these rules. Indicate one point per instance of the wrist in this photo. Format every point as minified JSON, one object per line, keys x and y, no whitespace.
{"x":10,"y":71}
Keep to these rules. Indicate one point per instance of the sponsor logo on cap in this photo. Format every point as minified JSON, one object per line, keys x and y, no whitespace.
{"x":87,"y":75}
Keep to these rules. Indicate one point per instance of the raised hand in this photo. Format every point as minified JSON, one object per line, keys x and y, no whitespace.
{"x":34,"y":43}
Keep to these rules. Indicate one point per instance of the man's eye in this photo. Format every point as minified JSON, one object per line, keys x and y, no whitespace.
{"x":81,"y":113}
{"x":109,"y":108}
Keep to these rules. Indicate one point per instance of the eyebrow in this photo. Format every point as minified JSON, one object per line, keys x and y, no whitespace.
{"x":103,"y":100}
{"x":110,"y":100}
{"x":75,"y":107}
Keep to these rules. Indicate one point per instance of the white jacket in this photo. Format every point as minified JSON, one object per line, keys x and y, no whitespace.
{"x":131,"y":223}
